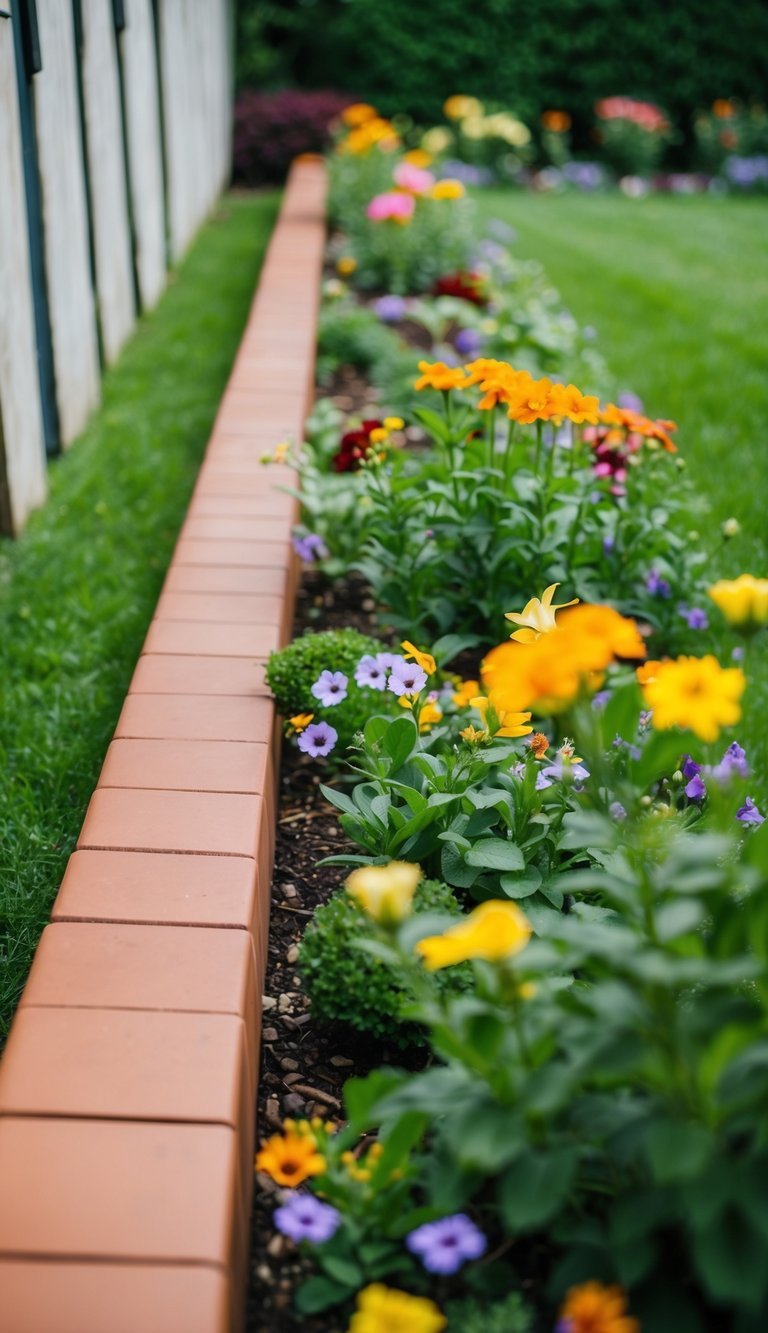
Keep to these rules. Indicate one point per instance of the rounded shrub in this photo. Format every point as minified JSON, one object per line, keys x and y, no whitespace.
{"x":293,"y":670}
{"x":347,"y":985}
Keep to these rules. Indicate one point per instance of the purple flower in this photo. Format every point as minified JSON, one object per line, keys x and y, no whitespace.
{"x":630,"y":401}
{"x":737,"y":654}
{"x":330,"y":688}
{"x":609,"y":541}
{"x":317,"y":739}
{"x":445,"y":1245}
{"x":732,"y":765}
{"x":468,"y":342}
{"x":303,"y":1217}
{"x":657,"y":586}
{"x":372,"y":673}
{"x":616,"y":811}
{"x":689,"y":767}
{"x":390,"y":309}
{"x":695,"y":789}
{"x":749,"y":813}
{"x":406,"y":677}
{"x":309,"y":547}
{"x":558,"y":771}
{"x":600,"y":699}
{"x":695,"y":616}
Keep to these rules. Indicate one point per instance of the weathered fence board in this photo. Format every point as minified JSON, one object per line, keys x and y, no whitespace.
{"x":106,"y":164}
{"x":65,"y":217}
{"x":145,"y":153}
{"x":22,"y":451}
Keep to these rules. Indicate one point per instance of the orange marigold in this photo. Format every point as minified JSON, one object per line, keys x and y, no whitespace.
{"x":437,"y":375}
{"x":594,"y":1308}
{"x":637,"y":424}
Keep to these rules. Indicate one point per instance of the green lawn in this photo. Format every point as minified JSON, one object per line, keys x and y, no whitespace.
{"x":676,"y":290}
{"x":77,"y":591}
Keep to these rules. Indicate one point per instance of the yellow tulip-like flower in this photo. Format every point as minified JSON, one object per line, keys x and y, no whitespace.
{"x":537,"y":616}
{"x":300,"y":722}
{"x":436,"y":375}
{"x":494,"y":931}
{"x":425,"y":660}
{"x":385,"y":893}
{"x":383,"y":1309}
{"x":594,"y":1308}
{"x":429,"y":715}
{"x":447,"y":189}
{"x":743,"y":601}
{"x":290,"y":1158}
{"x":459,"y":106}
{"x":465,"y":693}
{"x":695,"y":693}
{"x":510,"y":722}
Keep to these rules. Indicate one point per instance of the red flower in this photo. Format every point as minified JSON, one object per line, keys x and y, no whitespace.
{"x":463,"y":284}
{"x":354,"y":447}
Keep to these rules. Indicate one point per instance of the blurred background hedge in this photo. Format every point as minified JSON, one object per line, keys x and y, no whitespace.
{"x":409,"y":55}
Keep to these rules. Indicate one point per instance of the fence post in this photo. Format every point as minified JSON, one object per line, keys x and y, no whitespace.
{"x":145,"y":150}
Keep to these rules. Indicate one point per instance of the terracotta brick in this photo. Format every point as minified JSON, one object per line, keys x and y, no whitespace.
{"x":218,"y":823}
{"x":233,"y":529}
{"x":119,"y":1190}
{"x":215,"y":608}
{"x":200,"y":639}
{"x":196,"y":717}
{"x":258,"y":555}
{"x":156,"y":888}
{"x":228,"y":578}
{"x":45,"y":1296}
{"x":169,"y":674}
{"x":187,"y":765}
{"x":241,"y":506}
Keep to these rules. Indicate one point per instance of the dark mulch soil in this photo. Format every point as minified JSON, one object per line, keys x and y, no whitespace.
{"x":304,"y":1067}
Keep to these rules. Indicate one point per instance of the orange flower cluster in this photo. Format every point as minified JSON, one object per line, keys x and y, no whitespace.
{"x":367,"y":130}
{"x":525,"y":398}
{"x":551,"y":672}
{"x":557,"y":122}
{"x":634,"y":423}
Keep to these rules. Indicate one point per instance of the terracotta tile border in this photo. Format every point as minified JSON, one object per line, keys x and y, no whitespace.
{"x":127,"y":1089}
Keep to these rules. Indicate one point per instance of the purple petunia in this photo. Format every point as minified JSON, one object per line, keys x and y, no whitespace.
{"x":406,"y":678}
{"x":371,"y":672}
{"x":695,"y":616}
{"x":689,"y":767}
{"x":309,"y":547}
{"x":558,"y":771}
{"x":317,"y":739}
{"x":732,"y":765}
{"x":600,"y":699}
{"x":303,"y":1217}
{"x":330,"y":688}
{"x":445,"y":1246}
{"x":696,"y":790}
{"x":390,"y":309}
{"x":657,"y":586}
{"x":630,"y":401}
{"x":468,"y":342}
{"x":749,"y":813}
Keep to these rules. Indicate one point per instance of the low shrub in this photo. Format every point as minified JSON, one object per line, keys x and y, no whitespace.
{"x":272,"y":128}
{"x":347,"y":985}
{"x":292,"y":671}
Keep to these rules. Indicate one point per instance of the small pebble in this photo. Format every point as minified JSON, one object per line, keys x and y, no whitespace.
{"x":270,"y":1034}
{"x":285,"y":1003}
{"x":293,"y":1104}
{"x":340,"y":1061}
{"x":292,"y":954}
{"x":268,"y":1001}
{"x":264,"y":1274}
{"x":289,"y":1064}
{"x":289,"y":890}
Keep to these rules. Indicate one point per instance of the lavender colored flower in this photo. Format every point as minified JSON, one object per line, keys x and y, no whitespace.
{"x":468,"y":342}
{"x":630,"y":401}
{"x":309,"y":547}
{"x":732,"y":765}
{"x":645,"y":719}
{"x":406,"y":677}
{"x":445,"y":1246}
{"x":616,"y":811}
{"x":557,"y":771}
{"x":371,"y":673}
{"x":749,"y":813}
{"x":657,"y":586}
{"x":600,"y":699}
{"x":330,"y":688}
{"x":390,"y":309}
{"x":689,"y":768}
{"x":609,"y":541}
{"x":737,"y":654}
{"x":303,"y":1217}
{"x":695,"y":616}
{"x":317,"y":739}
{"x":696,"y":790}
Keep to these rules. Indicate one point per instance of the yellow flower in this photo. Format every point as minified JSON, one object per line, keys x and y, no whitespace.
{"x":301,"y":721}
{"x":429,"y":715}
{"x":385,"y":892}
{"x":695,"y":693}
{"x":572,"y":403}
{"x":383,"y":1309}
{"x":593,"y":1308}
{"x":448,"y":189}
{"x":425,"y":660}
{"x":494,"y":931}
{"x":436,"y":140}
{"x":393,"y":423}
{"x":378,"y":435}
{"x":537,"y":616}
{"x":474,"y":737}
{"x":436,"y":375}
{"x":358,"y":113}
{"x":345,"y":265}
{"x":459,"y":106}
{"x":418,"y":157}
{"x":743,"y":601}
{"x":510,"y":721}
{"x":465,"y":693}
{"x":290,"y":1158}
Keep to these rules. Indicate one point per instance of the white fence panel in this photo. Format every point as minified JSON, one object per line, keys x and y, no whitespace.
{"x":65,"y":218}
{"x":145,"y":153}
{"x":21,"y":424}
{"x":106,"y":162}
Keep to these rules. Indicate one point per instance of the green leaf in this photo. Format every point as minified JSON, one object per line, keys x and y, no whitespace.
{"x":399,"y":739}
{"x":677,"y":1150}
{"x":483,"y":1136}
{"x":730,"y":1259}
{"x":318,"y":1294}
{"x":375,"y":728}
{"x":533,"y":1189}
{"x":496,"y":854}
{"x":660,"y":757}
{"x":338,"y":798}
{"x":341,"y":1269}
{"x":678,"y":918}
{"x":522,"y":886}
{"x":449,"y":646}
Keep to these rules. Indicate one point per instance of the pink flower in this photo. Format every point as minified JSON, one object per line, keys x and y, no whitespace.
{"x":413,"y":179}
{"x":391,"y":207}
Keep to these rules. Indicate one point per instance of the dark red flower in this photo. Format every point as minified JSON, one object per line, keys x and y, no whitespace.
{"x":465,"y":285}
{"x":354,"y":447}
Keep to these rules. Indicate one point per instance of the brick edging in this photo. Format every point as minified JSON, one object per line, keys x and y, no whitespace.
{"x":127,"y":1089}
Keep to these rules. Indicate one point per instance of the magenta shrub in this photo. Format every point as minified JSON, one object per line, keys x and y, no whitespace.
{"x":272,"y":128}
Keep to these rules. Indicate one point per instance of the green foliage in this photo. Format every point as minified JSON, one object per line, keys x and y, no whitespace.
{"x":510,"y":1315}
{"x":347,"y":985}
{"x":80,"y":585}
{"x":351,"y":335}
{"x":293,"y":670}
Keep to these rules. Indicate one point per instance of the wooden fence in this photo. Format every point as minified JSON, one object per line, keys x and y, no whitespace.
{"x":115,"y":138}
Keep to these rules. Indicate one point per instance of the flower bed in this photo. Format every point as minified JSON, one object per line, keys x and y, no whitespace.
{"x":557,"y":906}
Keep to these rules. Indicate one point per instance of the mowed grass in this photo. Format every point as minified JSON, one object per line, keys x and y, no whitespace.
{"x":78,"y":589}
{"x":676,"y":289}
